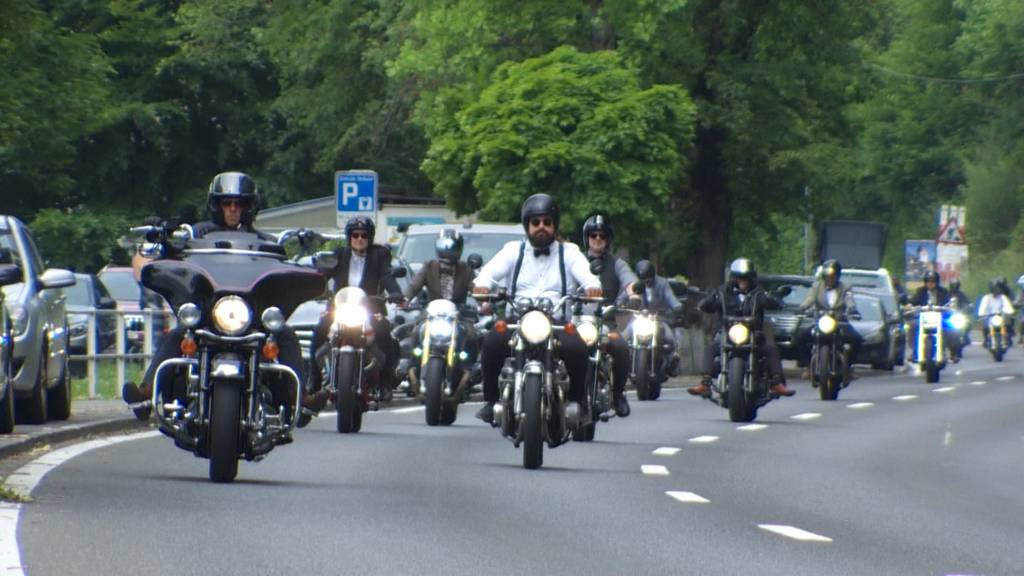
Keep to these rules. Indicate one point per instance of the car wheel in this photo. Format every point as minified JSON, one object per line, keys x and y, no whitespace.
{"x":35,"y":405}
{"x":59,"y":397}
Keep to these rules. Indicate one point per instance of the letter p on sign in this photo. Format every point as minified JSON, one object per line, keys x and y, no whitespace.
{"x":348,"y":190}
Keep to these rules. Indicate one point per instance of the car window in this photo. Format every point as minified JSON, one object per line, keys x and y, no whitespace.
{"x":420,"y":247}
{"x":796,"y":297}
{"x":78,"y":294}
{"x":871,"y":281}
{"x":121,"y":285}
{"x":36,"y":260}
{"x":9,"y":255}
{"x":870,"y":308}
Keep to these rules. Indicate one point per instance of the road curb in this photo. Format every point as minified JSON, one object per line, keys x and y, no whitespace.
{"x":71,"y":432}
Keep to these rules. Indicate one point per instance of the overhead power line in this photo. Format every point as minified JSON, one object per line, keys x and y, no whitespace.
{"x":983,"y":80}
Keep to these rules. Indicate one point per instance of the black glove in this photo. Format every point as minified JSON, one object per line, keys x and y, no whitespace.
{"x":782,"y":291}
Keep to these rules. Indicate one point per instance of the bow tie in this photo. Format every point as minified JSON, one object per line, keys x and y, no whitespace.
{"x":545,"y":251}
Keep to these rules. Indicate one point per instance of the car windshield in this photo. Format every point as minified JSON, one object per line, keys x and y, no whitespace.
{"x":795,"y":298}
{"x":121,"y":285}
{"x":870,"y":281}
{"x":419,"y":248}
{"x":870,"y":308}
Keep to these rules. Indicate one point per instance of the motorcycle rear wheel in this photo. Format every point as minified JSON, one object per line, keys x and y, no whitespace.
{"x":225,"y":412}
{"x":533,"y":423}
{"x":350,"y":413}
{"x":740,"y":409}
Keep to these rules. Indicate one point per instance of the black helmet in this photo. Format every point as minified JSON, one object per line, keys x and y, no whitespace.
{"x":645,"y":270}
{"x":448,"y":245}
{"x":742,"y":268}
{"x":360,"y":223}
{"x":993,"y":286}
{"x":233,"y":185}
{"x":931,"y":276}
{"x":539,"y":205}
{"x":597,"y":223}
{"x":831,"y":271}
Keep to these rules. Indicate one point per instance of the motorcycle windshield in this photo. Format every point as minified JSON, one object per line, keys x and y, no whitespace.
{"x":233,"y":263}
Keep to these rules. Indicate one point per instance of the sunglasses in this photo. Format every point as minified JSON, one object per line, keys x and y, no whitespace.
{"x":359,"y":236}
{"x":538,"y":222}
{"x":597,"y":236}
{"x":233,"y":203}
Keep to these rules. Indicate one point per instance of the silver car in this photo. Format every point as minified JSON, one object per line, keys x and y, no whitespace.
{"x":9,"y":274}
{"x":38,"y":326}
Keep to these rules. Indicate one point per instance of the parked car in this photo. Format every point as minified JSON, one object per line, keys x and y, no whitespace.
{"x":9,"y":274}
{"x":38,"y":325}
{"x":417,"y":245}
{"x":132,"y":298}
{"x":89,"y":298}
{"x":790,"y":328}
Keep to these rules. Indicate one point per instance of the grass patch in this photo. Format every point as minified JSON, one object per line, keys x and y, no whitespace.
{"x":107,"y":385}
{"x":8,"y":495}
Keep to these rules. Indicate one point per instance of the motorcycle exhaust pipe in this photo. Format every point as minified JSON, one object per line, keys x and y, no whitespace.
{"x":414,"y":382}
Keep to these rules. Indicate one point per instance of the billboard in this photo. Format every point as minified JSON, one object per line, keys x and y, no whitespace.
{"x":919,"y":256}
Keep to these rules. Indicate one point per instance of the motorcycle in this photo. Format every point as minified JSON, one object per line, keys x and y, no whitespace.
{"x":222,"y":398}
{"x":597,"y":404}
{"x":830,"y":369}
{"x":931,"y":345}
{"x":445,"y":363}
{"x":532,"y":408}
{"x":997,"y":337}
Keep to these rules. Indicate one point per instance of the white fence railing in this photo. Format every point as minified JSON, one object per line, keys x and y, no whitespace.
{"x":135,"y":335}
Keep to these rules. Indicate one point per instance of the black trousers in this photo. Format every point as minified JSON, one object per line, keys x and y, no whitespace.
{"x":619,"y":351}
{"x":290,"y":355}
{"x":571,"y":350}
{"x":770,"y":351}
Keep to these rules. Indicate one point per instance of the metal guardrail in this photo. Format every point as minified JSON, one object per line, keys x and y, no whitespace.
{"x":129,"y":332}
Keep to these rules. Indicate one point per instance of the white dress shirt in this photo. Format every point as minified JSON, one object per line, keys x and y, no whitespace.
{"x":994,"y":305}
{"x":539,"y":276}
{"x":356,"y":266}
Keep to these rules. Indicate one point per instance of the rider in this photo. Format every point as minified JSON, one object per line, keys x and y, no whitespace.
{"x":542,"y":267}
{"x":446,"y":277}
{"x":656,"y":296}
{"x":741,"y":296}
{"x":930,"y":294}
{"x":366,"y":265}
{"x":993,"y":303}
{"x":617,"y":280}
{"x":830,"y":295}
{"x":232,"y":203}
{"x":957,"y":298}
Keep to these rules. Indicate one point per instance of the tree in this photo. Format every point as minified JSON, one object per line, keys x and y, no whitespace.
{"x":577,"y":126}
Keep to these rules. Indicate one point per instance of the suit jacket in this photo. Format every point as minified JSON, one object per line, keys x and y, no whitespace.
{"x":430,"y":276}
{"x":817,"y":299}
{"x":377,"y":278}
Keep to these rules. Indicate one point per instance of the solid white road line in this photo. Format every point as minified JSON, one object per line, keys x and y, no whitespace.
{"x":904,"y":398}
{"x":666,"y":451}
{"x":944,"y":389}
{"x":25,"y":479}
{"x":654,"y":470}
{"x":752,"y":427}
{"x":794,"y":533}
{"x":1005,"y":378}
{"x":860,"y":405}
{"x":407,"y":410}
{"x":703,"y":439}
{"x":806,"y":416}
{"x":688,"y":497}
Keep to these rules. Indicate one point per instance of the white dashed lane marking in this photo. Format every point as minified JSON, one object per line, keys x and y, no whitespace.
{"x":806,"y":416}
{"x":752,"y":427}
{"x":794,"y":533}
{"x":978,"y":383}
{"x":1005,"y":378}
{"x":860,"y":405}
{"x":688,"y":497}
{"x":666,"y":451}
{"x":407,"y":410}
{"x":704,"y":439}
{"x":654,"y":470}
{"x":944,"y":389}
{"x":905,"y":397}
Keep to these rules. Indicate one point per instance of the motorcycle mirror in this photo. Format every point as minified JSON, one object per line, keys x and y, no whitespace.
{"x":475,"y":261}
{"x":785,"y":290}
{"x":597,"y":267}
{"x":324,"y":261}
{"x":152,"y":250}
{"x":398,"y":271}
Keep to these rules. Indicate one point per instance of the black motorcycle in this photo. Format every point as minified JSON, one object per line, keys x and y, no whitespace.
{"x":224,"y":398}
{"x":829,"y":367}
{"x":445,"y":361}
{"x":533,"y":385}
{"x":597,"y":405}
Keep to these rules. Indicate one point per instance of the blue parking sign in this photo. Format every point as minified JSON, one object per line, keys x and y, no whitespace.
{"x":356,"y":194}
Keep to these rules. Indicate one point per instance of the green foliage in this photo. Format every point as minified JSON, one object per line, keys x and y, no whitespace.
{"x":82,"y":239}
{"x":577,"y":126}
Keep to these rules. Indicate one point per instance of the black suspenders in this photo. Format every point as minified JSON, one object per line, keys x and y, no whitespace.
{"x":519,"y":265}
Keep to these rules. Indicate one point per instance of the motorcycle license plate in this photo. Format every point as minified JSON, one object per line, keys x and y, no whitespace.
{"x":931,"y":320}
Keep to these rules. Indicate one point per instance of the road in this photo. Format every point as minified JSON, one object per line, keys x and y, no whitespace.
{"x":897,"y":477}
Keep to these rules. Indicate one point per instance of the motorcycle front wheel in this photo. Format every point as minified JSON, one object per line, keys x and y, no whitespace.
{"x":224,"y":434}
{"x":740,"y":408}
{"x":641,"y":378}
{"x":827,"y":385}
{"x":433,"y":383}
{"x":350,"y":413}
{"x":533,"y":423}
{"x":931,"y":367}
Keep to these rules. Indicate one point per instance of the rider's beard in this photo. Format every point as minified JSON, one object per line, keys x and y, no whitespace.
{"x":541,"y":238}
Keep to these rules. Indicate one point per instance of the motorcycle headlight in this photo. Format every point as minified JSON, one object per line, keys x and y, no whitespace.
{"x":588,"y":332}
{"x":350,"y":315}
{"x":231,"y":315}
{"x":272,"y":319}
{"x":189,"y":315}
{"x":440,"y":329}
{"x":827,"y":324}
{"x":535,"y":327}
{"x":644,"y":327}
{"x":997,"y":321}
{"x":739,"y":334}
{"x":959,"y":321}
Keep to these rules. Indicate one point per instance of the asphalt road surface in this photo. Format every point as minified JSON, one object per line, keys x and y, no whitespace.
{"x":897,"y":477}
